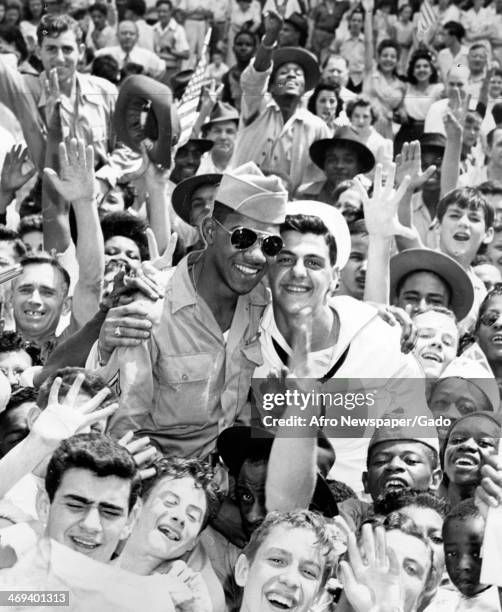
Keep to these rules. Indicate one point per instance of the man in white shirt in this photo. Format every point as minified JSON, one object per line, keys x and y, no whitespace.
{"x":455,"y":52}
{"x":170,"y":38}
{"x":457,"y":80}
{"x":477,"y":59}
{"x":128,"y":51}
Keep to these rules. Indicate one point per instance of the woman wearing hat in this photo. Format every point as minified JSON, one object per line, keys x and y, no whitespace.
{"x":341,"y":158}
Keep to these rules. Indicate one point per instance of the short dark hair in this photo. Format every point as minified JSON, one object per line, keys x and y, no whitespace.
{"x":249,"y":34}
{"x":97,"y":453}
{"x":124,"y":224}
{"x":466,"y":197}
{"x":358,"y":228}
{"x":465,"y":509}
{"x":160,"y":2}
{"x":53,"y":26}
{"x":12,"y":35}
{"x":421,"y":54}
{"x":405,"y":277}
{"x":44,"y":258}
{"x":491,"y":135}
{"x":175,"y":468}
{"x":393,"y":501}
{"x":331,"y":56}
{"x":11,"y":342}
{"x":389,"y":43}
{"x":309,"y":224}
{"x":299,"y":519}
{"x":8,"y":235}
{"x":91,"y":385}
{"x":311,"y":104}
{"x":30,"y":223}
{"x":138,"y":7}
{"x":101,"y":8}
{"x":20,"y":396}
{"x":106,"y":67}
{"x":490,"y":187}
{"x":364,"y":102}
{"x":455,"y":29}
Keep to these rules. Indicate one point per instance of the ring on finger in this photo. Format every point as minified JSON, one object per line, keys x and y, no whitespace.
{"x":117,"y":332}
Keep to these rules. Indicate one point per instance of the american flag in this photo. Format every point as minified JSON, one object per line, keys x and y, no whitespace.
{"x":187,"y":106}
{"x":426,"y":19}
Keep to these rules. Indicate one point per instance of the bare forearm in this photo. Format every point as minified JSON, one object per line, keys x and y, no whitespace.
{"x":158,"y":215}
{"x":377,"y":285}
{"x":450,"y":168}
{"x":90,"y":243}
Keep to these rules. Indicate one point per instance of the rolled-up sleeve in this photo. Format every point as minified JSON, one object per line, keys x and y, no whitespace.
{"x":254,"y":87}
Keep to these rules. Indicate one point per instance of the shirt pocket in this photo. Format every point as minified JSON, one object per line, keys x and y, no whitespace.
{"x":184,"y":388}
{"x":251,"y":358}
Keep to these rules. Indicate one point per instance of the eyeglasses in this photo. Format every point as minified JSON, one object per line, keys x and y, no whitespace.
{"x":490,"y":318}
{"x":243,"y":238}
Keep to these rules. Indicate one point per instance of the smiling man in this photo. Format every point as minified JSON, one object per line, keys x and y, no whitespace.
{"x":348,"y":339}
{"x":437,"y":340}
{"x":40,"y":298}
{"x":275,"y":130}
{"x":191,"y":379}
{"x":286,"y":563}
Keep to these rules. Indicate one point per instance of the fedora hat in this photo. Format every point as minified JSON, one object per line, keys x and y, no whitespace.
{"x":222,"y":111}
{"x":348,"y":136}
{"x":306,"y":60}
{"x":182,"y":195}
{"x":237,"y":443}
{"x":426,"y":260}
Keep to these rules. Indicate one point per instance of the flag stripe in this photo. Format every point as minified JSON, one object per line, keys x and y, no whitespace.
{"x":187,"y":107}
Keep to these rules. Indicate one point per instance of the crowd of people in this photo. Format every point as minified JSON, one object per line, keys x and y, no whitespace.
{"x":257,"y":366}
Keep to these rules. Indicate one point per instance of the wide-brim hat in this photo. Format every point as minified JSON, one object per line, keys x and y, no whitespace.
{"x":236,"y":444}
{"x":181,"y":198}
{"x":432,"y":141}
{"x":347,"y":136}
{"x":306,"y":60}
{"x":332,"y":219}
{"x":427,"y":260}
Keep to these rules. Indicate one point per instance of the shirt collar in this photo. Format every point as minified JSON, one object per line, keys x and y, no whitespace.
{"x":85,"y":90}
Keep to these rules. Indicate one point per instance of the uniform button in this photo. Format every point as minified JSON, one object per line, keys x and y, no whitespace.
{"x":184,"y":377}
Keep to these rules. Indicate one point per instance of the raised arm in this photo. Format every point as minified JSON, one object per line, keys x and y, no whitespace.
{"x":453,"y":123}
{"x":369,"y":48}
{"x":75,"y":184}
{"x":382,"y":224}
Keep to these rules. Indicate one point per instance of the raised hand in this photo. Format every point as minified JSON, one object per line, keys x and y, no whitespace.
{"x":187,"y":589}
{"x":273,"y":25}
{"x":143,"y":453}
{"x":489,"y":492}
{"x":381,"y":210}
{"x":52,"y":94}
{"x":64,"y":418}
{"x":452,"y":126}
{"x":368,"y":5}
{"x":372,"y":584}
{"x":13,"y":177}
{"x":458,"y":104}
{"x":409,"y":163}
{"x":75,"y":181}
{"x":158,"y":261}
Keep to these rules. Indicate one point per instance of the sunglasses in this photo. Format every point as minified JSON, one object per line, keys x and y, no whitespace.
{"x":243,"y":238}
{"x":490,"y":318}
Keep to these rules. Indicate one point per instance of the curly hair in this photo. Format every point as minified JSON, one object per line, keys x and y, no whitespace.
{"x":174,"y":468}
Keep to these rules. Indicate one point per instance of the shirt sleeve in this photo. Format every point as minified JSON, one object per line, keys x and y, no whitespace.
{"x":254,"y":87}
{"x":17,"y":96}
